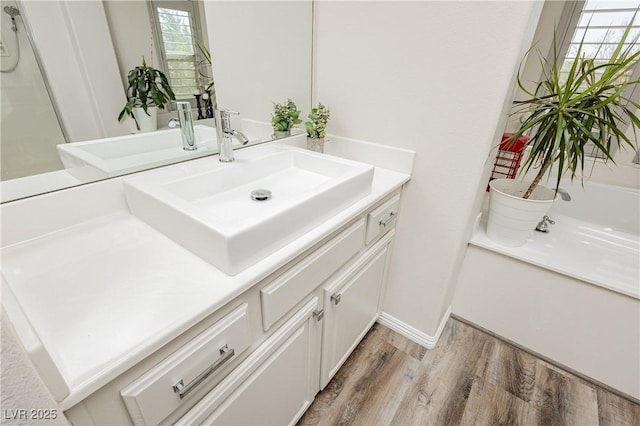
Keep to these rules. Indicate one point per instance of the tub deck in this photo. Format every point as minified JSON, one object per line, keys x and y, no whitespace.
{"x":590,"y":252}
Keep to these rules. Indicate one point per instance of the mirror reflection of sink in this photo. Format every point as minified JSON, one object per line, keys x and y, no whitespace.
{"x":101,"y":158}
{"x":213,"y":215}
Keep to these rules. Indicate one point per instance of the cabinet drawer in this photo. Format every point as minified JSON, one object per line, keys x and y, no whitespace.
{"x":274,"y":385}
{"x":382,"y":218}
{"x":161,"y":390}
{"x":281,"y":295}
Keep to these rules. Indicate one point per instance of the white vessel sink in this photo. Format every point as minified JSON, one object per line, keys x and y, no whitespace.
{"x":212,"y":213}
{"x":102,"y":158}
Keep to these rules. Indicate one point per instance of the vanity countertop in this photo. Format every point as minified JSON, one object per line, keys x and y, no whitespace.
{"x":105,"y":293}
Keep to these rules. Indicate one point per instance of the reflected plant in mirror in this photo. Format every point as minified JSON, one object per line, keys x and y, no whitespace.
{"x":148,"y":89}
{"x":284,"y":117}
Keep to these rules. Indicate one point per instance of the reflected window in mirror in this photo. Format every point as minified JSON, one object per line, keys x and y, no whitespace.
{"x":181,"y":41}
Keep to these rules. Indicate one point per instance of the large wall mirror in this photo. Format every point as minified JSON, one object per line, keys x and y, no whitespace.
{"x":64,"y":74}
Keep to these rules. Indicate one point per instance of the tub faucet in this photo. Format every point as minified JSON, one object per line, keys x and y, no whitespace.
{"x":225,"y":133}
{"x":543,"y":226}
{"x":185,"y":121}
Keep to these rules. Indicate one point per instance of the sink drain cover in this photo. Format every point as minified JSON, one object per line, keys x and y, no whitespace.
{"x":261,"y":195}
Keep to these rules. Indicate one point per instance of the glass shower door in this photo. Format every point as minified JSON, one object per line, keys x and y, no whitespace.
{"x":30,"y":129}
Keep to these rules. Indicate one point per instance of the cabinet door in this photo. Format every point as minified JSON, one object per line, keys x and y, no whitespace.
{"x":275,"y":385}
{"x":351,"y":308}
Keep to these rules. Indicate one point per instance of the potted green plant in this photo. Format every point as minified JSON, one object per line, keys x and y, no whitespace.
{"x":318,"y":118}
{"x":284,"y":117}
{"x":148,"y":90}
{"x":563,"y":116}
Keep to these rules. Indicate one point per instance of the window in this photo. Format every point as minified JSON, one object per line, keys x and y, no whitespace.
{"x":178,"y":37}
{"x":600,"y":26}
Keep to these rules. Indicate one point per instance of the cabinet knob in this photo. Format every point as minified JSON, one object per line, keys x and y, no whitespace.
{"x":336,"y":298}
{"x":318,"y":314}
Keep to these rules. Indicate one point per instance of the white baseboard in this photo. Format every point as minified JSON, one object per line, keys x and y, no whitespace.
{"x":413,"y":333}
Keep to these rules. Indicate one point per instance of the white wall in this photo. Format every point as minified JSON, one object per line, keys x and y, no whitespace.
{"x":132,"y":35}
{"x":435,"y":77}
{"x":73,"y":40}
{"x":22,"y":388}
{"x":261,"y":53}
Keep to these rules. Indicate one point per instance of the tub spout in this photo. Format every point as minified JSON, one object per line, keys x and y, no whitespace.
{"x":563,"y":194}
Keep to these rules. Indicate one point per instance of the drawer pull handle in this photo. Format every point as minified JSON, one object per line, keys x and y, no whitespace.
{"x":183,"y":390}
{"x":336,"y":298}
{"x":384,"y":223}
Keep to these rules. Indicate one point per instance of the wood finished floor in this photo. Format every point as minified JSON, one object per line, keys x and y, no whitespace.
{"x":470,"y":378}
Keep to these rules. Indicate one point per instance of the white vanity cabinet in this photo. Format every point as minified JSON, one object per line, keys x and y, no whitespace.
{"x":278,"y":382}
{"x":290,"y":333}
{"x":352,"y":302}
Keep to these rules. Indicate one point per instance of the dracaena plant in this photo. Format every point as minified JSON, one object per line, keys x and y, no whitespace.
{"x":147,"y":87}
{"x":205,"y":64}
{"x":591,"y":105}
{"x":318,"y":118}
{"x":284,"y":116}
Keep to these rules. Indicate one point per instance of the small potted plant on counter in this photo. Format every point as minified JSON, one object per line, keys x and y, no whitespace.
{"x":318,"y":118}
{"x":284,"y":117}
{"x":565,"y":113}
{"x":148,"y":90}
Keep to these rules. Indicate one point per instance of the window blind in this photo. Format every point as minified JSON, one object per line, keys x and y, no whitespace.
{"x":176,"y":27}
{"x":600,"y":28}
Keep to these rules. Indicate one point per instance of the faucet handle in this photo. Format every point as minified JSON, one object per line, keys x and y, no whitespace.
{"x":225,"y":113}
{"x":182,"y":105}
{"x":222,"y":117}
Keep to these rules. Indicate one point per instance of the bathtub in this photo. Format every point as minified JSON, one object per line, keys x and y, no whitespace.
{"x":571,"y":295}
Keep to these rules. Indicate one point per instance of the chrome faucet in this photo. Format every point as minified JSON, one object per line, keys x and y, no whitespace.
{"x":185,"y":121}
{"x":543,"y":226}
{"x":225,"y":134}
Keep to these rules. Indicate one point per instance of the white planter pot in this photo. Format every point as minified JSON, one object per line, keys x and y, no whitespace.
{"x":511,"y":218}
{"x":281,"y":134}
{"x":315,"y":144}
{"x":147,"y":123}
